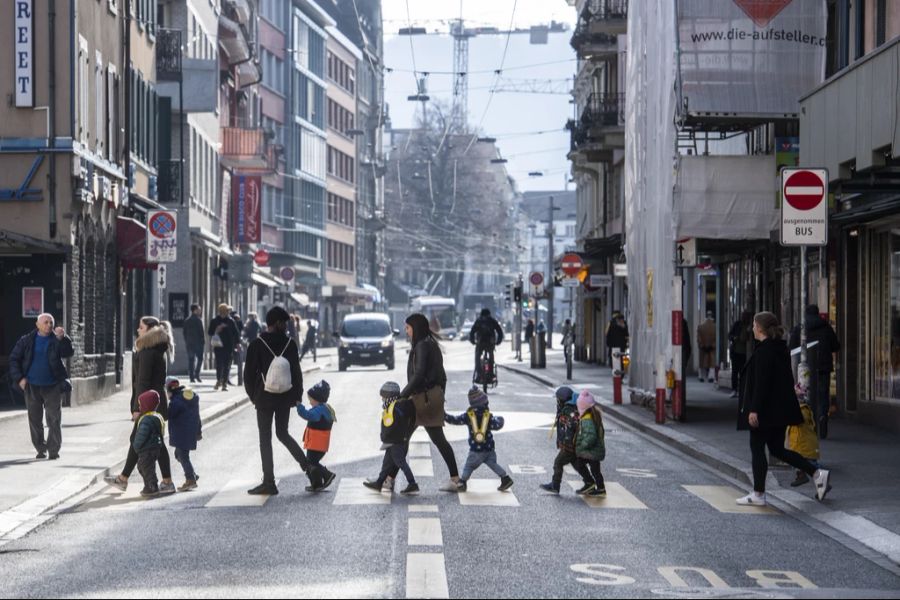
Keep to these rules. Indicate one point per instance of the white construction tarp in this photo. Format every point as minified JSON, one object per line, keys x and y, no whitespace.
{"x":750,"y":57}
{"x":726,"y":197}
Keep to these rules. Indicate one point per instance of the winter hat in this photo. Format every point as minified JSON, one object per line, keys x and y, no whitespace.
{"x":320,"y":391}
{"x":477,"y":398}
{"x":148,"y":401}
{"x":390,"y":389}
{"x":585,"y":402}
{"x":172,"y":383}
{"x":564,"y":393}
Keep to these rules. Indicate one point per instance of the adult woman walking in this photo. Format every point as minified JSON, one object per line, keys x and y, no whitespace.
{"x":153,"y":350}
{"x":768,"y":406}
{"x":426,"y":385}
{"x":229,"y":336}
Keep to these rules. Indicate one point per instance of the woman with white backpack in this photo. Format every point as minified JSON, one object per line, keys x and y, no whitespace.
{"x":274,"y":382}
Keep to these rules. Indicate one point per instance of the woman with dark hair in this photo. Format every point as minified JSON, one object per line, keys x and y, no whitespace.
{"x":768,"y":406}
{"x":426,"y":385}
{"x":154,"y":349}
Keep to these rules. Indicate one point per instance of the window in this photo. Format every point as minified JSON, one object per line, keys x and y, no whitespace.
{"x":340,"y":210}
{"x":82,"y":110}
{"x":340,"y":257}
{"x":112,"y":113}
{"x":341,"y":165}
{"x":99,"y":129}
{"x":341,"y":73}
{"x":339,"y":118}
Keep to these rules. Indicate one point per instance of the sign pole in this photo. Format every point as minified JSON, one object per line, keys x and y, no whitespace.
{"x":803,"y":373}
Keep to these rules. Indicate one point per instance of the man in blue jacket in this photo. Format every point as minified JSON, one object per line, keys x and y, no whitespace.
{"x":36,"y":364}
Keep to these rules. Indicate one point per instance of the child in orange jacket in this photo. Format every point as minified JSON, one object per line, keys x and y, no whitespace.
{"x":320,"y":419}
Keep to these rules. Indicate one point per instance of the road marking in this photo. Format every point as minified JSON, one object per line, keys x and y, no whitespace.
{"x":527,"y":470}
{"x":419,"y":436}
{"x":637,"y":473}
{"x":722,"y":497}
{"x":483,"y":492}
{"x":420,"y":450}
{"x":421,"y":467}
{"x":234,"y":494}
{"x":351,"y":491}
{"x":423,"y":508}
{"x":671,"y":575}
{"x":616,"y":497}
{"x":773,"y":580}
{"x":425,"y":532}
{"x":601,"y":574}
{"x":426,"y":576}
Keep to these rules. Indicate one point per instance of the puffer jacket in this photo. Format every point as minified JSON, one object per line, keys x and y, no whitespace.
{"x":566,"y":426}
{"x":589,"y":441}
{"x":148,"y":368}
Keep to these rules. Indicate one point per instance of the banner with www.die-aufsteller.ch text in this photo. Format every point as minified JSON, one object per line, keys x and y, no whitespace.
{"x":749,"y":57}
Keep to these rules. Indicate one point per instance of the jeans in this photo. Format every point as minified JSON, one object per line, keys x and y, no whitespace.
{"x":131,"y":461}
{"x":184,"y":457}
{"x":38,"y":399}
{"x":593,"y":466}
{"x":282,"y":415}
{"x":395,"y":458}
{"x":146,"y":465}
{"x":223,"y":364}
{"x":317,"y":472}
{"x":567,"y":457}
{"x":195,"y":362}
{"x":773,"y":437}
{"x":440,"y":441}
{"x":476,"y":459}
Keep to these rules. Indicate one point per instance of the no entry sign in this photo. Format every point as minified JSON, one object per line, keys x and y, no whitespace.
{"x":571,"y":264}
{"x":804,"y":207}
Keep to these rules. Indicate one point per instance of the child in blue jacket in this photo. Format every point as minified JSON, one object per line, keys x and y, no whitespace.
{"x":184,"y":428}
{"x":317,"y":437}
{"x":481,"y":423}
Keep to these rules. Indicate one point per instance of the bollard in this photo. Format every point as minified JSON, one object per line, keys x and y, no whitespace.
{"x":617,"y":375}
{"x":660,"y":390}
{"x":677,"y":341}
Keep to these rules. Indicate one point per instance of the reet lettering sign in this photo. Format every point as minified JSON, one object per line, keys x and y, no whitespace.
{"x":804,"y":207}
{"x":23,"y":55}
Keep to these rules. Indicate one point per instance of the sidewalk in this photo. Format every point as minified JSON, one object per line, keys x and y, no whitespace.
{"x":862,"y":460}
{"x":94,"y":444}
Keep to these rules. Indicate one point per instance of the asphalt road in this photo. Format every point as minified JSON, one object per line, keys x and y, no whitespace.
{"x":652,"y":536}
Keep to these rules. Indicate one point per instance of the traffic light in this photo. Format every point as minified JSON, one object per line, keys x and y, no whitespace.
{"x":517,"y":292}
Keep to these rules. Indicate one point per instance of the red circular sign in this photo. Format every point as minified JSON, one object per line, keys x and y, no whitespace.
{"x":537,"y":278}
{"x":162,"y":225}
{"x":261,"y":257}
{"x":571,"y":264}
{"x":804,"y":190}
{"x":287,"y":273}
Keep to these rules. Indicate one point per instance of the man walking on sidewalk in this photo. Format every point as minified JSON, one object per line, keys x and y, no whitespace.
{"x":195,"y":340}
{"x":821,"y":332}
{"x":36,"y":363}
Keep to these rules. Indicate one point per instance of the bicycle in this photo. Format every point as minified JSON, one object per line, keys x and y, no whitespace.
{"x":487,"y":375}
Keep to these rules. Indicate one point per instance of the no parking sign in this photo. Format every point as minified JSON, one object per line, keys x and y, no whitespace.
{"x":162,"y":244}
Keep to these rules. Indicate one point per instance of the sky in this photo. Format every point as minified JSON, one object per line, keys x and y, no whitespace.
{"x":529,"y":127}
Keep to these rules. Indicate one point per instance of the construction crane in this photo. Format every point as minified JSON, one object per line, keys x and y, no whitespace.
{"x":539,"y":34}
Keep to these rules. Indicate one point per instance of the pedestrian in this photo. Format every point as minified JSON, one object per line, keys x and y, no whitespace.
{"x":616,"y":335}
{"x":427,"y":384}
{"x":398,"y":421}
{"x":590,"y":443}
{"x":238,"y":348}
{"x":827,"y":346}
{"x":154,"y":349}
{"x":195,"y":342}
{"x":292,"y":330}
{"x":566,"y":425}
{"x":36,"y":365}
{"x":804,"y":440}
{"x":317,"y":437}
{"x":482,"y":449}
{"x":224,"y":336}
{"x":740,"y":338}
{"x":185,"y":428}
{"x":148,"y":440}
{"x":768,"y":406}
{"x":274,"y":382}
{"x":252,"y":327}
{"x":309,"y":342}
{"x":529,"y":333}
{"x":706,"y":343}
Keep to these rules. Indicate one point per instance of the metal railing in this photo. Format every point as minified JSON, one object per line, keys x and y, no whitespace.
{"x":240,"y":142}
{"x":606,"y":9}
{"x":169,"y":172}
{"x":168,"y":54}
{"x":604,"y":110}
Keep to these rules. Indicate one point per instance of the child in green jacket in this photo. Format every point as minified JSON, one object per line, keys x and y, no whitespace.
{"x":590,"y":447}
{"x":148,"y":439}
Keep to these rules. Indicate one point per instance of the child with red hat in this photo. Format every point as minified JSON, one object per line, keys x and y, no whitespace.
{"x":148,"y":440}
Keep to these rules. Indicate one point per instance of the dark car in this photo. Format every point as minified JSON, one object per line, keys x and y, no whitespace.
{"x":366,"y":339}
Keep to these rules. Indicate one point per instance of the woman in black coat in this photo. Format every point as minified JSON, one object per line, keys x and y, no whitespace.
{"x":154,"y":349}
{"x":768,"y":406}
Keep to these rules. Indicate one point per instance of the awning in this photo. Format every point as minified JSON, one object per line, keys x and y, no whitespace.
{"x":376,"y":295}
{"x":131,"y":244}
{"x":263,"y":279}
{"x":16,"y":242}
{"x":301,"y":299}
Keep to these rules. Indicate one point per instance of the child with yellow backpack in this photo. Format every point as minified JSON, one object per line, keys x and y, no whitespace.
{"x":398,"y":422}
{"x":482,"y":451}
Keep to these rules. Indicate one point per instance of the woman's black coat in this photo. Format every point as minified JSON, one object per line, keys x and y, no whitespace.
{"x":769,"y":387}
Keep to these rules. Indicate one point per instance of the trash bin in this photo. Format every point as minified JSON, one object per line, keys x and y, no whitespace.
{"x":539,"y":350}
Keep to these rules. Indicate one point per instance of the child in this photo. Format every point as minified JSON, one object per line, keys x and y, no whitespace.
{"x":148,"y":439}
{"x":590,"y":447}
{"x":320,"y":419}
{"x":566,"y":428}
{"x":398,"y":421}
{"x":481,"y":442}
{"x":184,"y":428}
{"x":804,"y":440}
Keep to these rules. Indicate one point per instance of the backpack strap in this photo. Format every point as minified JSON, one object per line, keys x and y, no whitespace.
{"x":272,"y":351}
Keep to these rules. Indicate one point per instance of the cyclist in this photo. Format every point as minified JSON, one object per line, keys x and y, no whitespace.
{"x":486,"y":334}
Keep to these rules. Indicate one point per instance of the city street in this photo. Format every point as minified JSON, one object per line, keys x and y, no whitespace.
{"x":668,"y":527}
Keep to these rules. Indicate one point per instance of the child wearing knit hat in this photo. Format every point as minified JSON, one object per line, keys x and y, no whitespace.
{"x":398,"y":421}
{"x":317,"y":437}
{"x":566,"y":429}
{"x":481,"y":423}
{"x":590,"y":447}
{"x":148,"y":439}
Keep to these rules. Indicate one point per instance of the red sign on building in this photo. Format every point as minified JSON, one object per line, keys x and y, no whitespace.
{"x":247,"y":213}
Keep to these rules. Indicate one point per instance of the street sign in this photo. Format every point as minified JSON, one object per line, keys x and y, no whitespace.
{"x":261,"y":257}
{"x":571,"y":282}
{"x":600,"y":281}
{"x":161,"y":276}
{"x":162,"y":245}
{"x":536,"y":278}
{"x":686,"y":252}
{"x":620,"y":270}
{"x":571,"y":264}
{"x":804,"y":207}
{"x":287,"y":273}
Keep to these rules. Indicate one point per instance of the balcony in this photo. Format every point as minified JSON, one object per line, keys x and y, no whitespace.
{"x":168,"y":54}
{"x":247,"y":150}
{"x":169,"y":181}
{"x":600,"y":130}
{"x":607,"y":17}
{"x":593,"y":45}
{"x":235,"y":40}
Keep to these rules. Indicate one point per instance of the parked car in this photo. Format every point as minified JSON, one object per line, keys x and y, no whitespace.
{"x":366,"y":339}
{"x":464,"y":330}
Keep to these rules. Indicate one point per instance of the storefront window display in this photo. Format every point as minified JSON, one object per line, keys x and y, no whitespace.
{"x":885,"y":280}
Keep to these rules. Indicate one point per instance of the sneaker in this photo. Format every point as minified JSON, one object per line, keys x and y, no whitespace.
{"x":549,"y":487}
{"x":328,"y":480}
{"x":505,"y":483}
{"x":800,"y":479}
{"x":702,"y":380}
{"x":597,"y":493}
{"x":585,"y":489}
{"x":733,"y":395}
{"x":821,"y":478}
{"x":462,"y":487}
{"x":312,"y":488}
{"x":388,"y":485}
{"x":116,"y":482}
{"x":41,"y":455}
{"x":149,"y":491}
{"x":411,"y":489}
{"x":752,"y":499}
{"x":450,"y":486}
{"x":53,"y":456}
{"x":374,"y":484}
{"x":167,"y":488}
{"x":264,"y":489}
{"x":188,"y":485}
{"x":217,"y":386}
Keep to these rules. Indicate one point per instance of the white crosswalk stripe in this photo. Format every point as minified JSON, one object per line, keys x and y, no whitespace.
{"x":483,"y":492}
{"x":616,"y":497}
{"x":722,"y":498}
{"x":234,"y":495}
{"x":351,"y":491}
